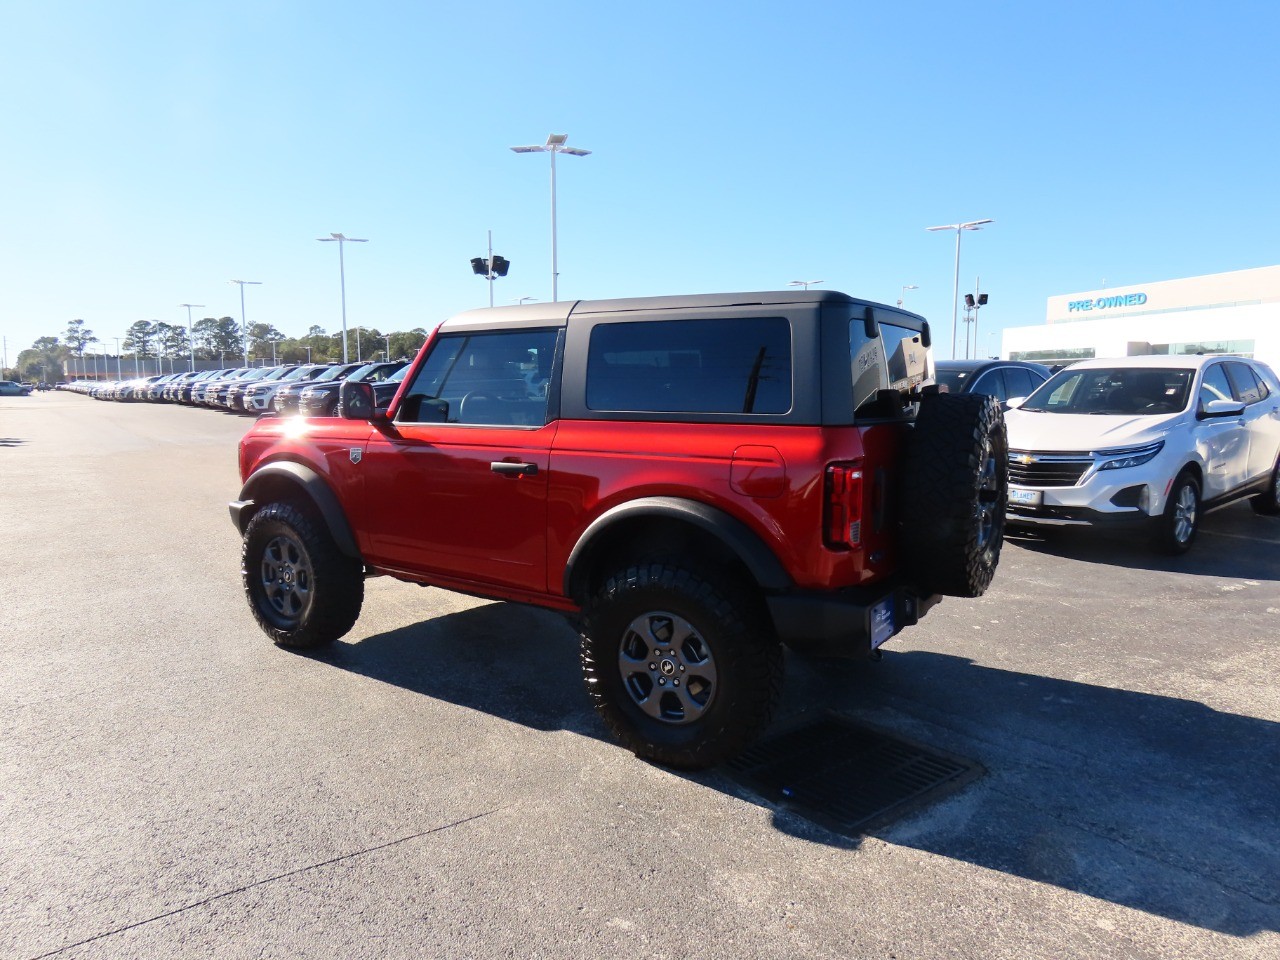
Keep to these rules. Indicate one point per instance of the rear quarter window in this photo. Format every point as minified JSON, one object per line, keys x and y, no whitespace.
{"x":730,"y":365}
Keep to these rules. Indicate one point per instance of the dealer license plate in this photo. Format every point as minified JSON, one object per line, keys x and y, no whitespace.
{"x":1025,"y":498}
{"x":881,"y":622}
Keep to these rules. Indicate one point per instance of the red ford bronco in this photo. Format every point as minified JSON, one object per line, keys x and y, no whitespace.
{"x":693,"y":480}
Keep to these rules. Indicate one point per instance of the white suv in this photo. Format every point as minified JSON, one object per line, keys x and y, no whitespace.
{"x":1154,"y":440}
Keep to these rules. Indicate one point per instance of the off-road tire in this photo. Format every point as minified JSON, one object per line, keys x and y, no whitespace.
{"x":954,"y":486}
{"x":322,"y":599}
{"x":1268,"y":503}
{"x":727,"y":618}
{"x":1176,"y":528}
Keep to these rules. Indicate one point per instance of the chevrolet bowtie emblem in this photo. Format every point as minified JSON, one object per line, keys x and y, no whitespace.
{"x":1026,"y":459}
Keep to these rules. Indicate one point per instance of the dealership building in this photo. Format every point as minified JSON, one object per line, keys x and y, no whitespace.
{"x":1236,"y":313}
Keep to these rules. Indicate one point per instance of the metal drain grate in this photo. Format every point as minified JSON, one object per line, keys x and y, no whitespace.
{"x":849,"y":778}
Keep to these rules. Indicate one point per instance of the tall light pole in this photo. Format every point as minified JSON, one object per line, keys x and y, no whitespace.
{"x":119,"y":375}
{"x":244,"y":327}
{"x":803,"y":283}
{"x":959,"y":228}
{"x":555,"y":144}
{"x":191,"y":331}
{"x":342,"y":279}
{"x":388,"y":339}
{"x":905,"y":288}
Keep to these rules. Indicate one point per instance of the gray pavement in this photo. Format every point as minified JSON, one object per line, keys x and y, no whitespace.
{"x":171,"y":785}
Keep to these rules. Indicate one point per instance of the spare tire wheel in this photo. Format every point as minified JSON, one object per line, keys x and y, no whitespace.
{"x":954,"y":489}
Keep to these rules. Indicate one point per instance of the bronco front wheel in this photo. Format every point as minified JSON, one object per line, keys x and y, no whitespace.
{"x":680,"y":663}
{"x":303,"y":591}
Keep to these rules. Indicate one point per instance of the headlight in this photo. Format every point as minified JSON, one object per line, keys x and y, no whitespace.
{"x":1132,"y":457}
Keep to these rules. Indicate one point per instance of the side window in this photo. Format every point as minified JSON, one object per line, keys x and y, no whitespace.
{"x":1020,"y":381}
{"x":734,"y":365}
{"x":1214,"y":386}
{"x":991,"y":383}
{"x":1248,"y":387}
{"x":493,"y":379}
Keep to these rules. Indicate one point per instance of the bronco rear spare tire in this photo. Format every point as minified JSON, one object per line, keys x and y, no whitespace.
{"x":955,"y":479}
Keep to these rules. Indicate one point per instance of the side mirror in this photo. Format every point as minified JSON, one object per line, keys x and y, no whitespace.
{"x":926,"y":337}
{"x":1221,"y":408}
{"x":355,"y":401}
{"x":1013,"y":403}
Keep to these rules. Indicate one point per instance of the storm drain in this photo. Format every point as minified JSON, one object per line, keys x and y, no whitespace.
{"x":847,"y":777}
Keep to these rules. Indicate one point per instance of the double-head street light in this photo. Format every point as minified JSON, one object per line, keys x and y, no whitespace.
{"x":244,"y":327}
{"x":555,"y":144}
{"x":973,"y":302}
{"x":342,"y":279}
{"x":959,"y":228}
{"x":191,"y":331}
{"x":491,"y":268}
{"x":803,"y":283}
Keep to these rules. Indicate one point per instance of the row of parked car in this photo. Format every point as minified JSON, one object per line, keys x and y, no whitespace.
{"x":309,"y":389}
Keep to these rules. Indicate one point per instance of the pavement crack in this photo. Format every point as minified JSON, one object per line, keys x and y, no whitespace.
{"x":259,"y":883}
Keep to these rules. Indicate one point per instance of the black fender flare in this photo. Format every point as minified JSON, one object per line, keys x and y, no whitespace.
{"x":312,"y":486}
{"x":763,"y":565}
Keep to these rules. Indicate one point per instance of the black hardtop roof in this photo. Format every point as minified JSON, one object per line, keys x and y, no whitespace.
{"x":559,"y":312}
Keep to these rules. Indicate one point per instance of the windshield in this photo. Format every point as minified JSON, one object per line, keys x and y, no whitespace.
{"x":333,"y":373}
{"x":1113,"y":391}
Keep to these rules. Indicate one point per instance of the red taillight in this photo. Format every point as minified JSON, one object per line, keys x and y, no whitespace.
{"x":842,"y":525}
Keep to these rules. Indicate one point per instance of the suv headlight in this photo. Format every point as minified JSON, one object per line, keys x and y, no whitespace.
{"x":1131,"y":457}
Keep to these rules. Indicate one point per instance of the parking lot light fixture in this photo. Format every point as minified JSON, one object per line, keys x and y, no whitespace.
{"x":959,"y":228}
{"x":905,"y":288}
{"x":555,"y":144}
{"x":803,"y":283}
{"x":342,"y":241}
{"x":244,"y":327}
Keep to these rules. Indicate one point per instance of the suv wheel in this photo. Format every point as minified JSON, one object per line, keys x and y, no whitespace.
{"x":681,"y":663}
{"x":303,"y":591}
{"x":1268,"y":503}
{"x":955,"y":479}
{"x":1176,"y":527}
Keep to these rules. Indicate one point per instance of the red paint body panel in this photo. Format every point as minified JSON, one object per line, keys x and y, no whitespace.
{"x":597,"y":465}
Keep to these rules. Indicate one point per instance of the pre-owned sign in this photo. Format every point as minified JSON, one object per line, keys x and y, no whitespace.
{"x":1105,"y":303}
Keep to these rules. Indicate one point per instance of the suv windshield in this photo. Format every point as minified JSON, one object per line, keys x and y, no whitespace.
{"x":1113,"y":391}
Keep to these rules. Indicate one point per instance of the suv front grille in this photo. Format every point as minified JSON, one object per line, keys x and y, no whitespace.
{"x":1047,"y":469}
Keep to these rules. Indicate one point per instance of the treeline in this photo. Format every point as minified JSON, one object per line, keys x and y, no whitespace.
{"x":213,"y":339}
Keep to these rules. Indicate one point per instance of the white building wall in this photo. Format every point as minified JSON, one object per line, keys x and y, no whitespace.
{"x":1244,"y":305}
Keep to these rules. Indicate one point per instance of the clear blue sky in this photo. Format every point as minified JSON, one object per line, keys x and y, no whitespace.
{"x":154,"y":151}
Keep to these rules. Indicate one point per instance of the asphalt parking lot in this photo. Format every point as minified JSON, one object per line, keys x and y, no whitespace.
{"x":171,"y":785}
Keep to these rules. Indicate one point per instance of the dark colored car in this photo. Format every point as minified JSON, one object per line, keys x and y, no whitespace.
{"x":1003,"y":379}
{"x":322,"y":399}
{"x":286,"y":401}
{"x":10,"y":388}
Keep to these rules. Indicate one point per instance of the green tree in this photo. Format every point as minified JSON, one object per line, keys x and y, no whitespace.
{"x":140,"y":339}
{"x":218,"y":338}
{"x":407,"y":344}
{"x":78,"y":336}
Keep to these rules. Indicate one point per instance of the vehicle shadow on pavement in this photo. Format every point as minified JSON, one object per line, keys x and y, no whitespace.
{"x":1156,"y":803}
{"x":1233,"y":543}
{"x":515,"y":662}
{"x":1150,"y":802}
{"x":11,"y":442}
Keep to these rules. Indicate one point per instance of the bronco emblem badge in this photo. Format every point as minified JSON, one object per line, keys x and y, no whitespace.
{"x":356,"y":453}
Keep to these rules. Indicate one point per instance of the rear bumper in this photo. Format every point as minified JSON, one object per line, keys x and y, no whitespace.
{"x":849,"y":623}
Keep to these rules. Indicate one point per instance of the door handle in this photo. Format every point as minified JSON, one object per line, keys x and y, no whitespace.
{"x":514,"y":469}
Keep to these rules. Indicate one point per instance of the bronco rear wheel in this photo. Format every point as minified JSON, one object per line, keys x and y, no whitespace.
{"x":956,"y":474}
{"x":682,"y":664}
{"x":303,"y":591}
